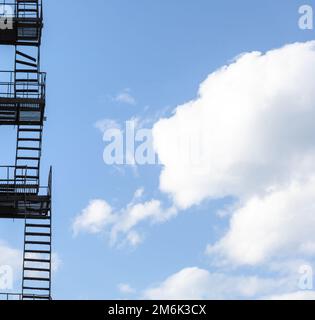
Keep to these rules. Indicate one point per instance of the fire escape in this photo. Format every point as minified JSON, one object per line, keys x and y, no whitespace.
{"x":22,"y":105}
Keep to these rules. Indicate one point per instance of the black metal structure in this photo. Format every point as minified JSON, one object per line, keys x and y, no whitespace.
{"x":22,"y":104}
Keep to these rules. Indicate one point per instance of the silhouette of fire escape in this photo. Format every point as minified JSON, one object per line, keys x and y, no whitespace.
{"x":22,"y":105}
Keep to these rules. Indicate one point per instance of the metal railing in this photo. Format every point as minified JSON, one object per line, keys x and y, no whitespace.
{"x":26,"y":88}
{"x":10,"y":296}
{"x":8,"y":9}
{"x":23,"y":184}
{"x":8,"y":175}
{"x":49,"y":188}
{"x":19,"y":296}
{"x":10,"y":183}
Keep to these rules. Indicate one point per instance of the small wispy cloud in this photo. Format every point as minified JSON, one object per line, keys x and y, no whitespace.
{"x":125,"y":97}
{"x":99,"y":217}
{"x":125,"y":288}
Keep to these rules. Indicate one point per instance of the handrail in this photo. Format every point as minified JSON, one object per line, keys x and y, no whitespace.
{"x":19,"y":296}
{"x":15,"y":14}
{"x":42,"y":74}
{"x":49,"y":188}
{"x":9,"y":179}
{"x":9,"y":176}
{"x":27,"y":88}
{"x":23,"y":167}
{"x":8,"y":295}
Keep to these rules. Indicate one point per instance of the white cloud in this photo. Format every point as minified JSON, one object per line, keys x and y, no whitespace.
{"x":10,"y":256}
{"x":279,"y":224}
{"x":93,"y":218}
{"x":133,"y":238}
{"x":134,"y":214}
{"x":139,"y":193}
{"x":195,"y":283}
{"x":125,"y":288}
{"x":125,"y":97}
{"x":252,"y":130}
{"x":99,"y":216}
{"x":252,"y":124}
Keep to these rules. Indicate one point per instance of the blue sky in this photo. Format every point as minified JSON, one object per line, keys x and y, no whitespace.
{"x":158,"y":52}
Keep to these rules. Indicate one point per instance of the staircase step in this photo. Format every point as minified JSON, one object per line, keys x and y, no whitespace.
{"x":26,"y":80}
{"x":36,"y":288}
{"x":29,"y":139}
{"x":37,"y":260}
{"x":36,"y":279}
{"x":30,"y":129}
{"x":28,"y":158}
{"x":26,"y":71}
{"x":37,"y":234}
{"x":24,"y":54}
{"x":36,"y":269}
{"x":46,"y":243}
{"x":30,"y":64}
{"x":27,"y":10}
{"x":32,"y":225}
{"x":29,"y":148}
{"x":38,"y":251}
{"x":26,"y":90}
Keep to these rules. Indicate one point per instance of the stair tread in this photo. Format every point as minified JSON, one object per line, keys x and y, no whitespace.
{"x":38,"y":251}
{"x":36,"y":288}
{"x":36,"y":269}
{"x":29,"y":139}
{"x":26,"y":63}
{"x":26,"y":71}
{"x":38,"y":234}
{"x":25,"y":55}
{"x":32,"y":225}
{"x":27,"y":158}
{"x":30,"y":130}
{"x":38,"y":242}
{"x":27,"y":90}
{"x":27,"y":10}
{"x":27,"y":80}
{"x":36,"y":279}
{"x":37,"y":260}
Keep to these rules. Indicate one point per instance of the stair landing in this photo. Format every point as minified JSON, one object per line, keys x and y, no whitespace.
{"x":20,"y":206}
{"x":21,"y":111}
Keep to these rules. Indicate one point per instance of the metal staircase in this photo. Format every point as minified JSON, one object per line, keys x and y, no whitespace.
{"x":37,"y":256}
{"x":37,"y":260}
{"x":22,"y":104}
{"x":28,"y":155}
